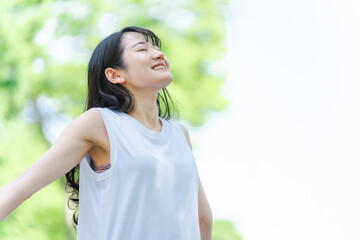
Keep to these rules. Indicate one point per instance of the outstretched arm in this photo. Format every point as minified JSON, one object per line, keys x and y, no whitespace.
{"x":72,"y":145}
{"x":205,"y":214}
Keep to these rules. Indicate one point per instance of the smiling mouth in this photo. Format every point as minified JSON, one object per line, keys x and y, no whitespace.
{"x":159,"y":67}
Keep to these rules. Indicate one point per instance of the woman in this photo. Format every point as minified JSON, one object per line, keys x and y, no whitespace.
{"x":137,"y":174}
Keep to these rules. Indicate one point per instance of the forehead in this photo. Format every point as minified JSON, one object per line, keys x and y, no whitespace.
{"x":130,"y":38}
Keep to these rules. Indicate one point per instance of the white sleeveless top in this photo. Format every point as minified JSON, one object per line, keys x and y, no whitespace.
{"x":150,"y":192}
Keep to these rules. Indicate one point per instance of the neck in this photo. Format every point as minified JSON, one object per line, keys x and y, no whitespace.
{"x":146,"y":110}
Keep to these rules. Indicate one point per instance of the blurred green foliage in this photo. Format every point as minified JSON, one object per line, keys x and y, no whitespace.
{"x":224,"y":230}
{"x":32,"y":34}
{"x":41,"y":217}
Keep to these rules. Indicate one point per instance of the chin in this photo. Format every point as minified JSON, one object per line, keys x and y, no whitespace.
{"x":169,"y":80}
{"x":166,"y":81}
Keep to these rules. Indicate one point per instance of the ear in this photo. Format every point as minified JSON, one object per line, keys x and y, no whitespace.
{"x":114,"y":75}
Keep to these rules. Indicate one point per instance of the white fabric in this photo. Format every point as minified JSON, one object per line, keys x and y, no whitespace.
{"x":151,"y":190}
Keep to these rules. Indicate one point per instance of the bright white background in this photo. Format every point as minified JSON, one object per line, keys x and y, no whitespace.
{"x":283,"y":160}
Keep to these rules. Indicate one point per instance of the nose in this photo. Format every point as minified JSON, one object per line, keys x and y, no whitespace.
{"x":158,"y":55}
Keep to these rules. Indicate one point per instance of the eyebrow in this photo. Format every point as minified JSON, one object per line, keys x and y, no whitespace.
{"x":137,"y":44}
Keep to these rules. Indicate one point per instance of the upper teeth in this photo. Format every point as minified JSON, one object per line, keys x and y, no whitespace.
{"x":159,"y":67}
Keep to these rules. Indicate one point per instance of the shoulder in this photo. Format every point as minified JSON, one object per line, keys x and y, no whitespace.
{"x":91,"y":117}
{"x":186,"y":133}
{"x":90,"y":125}
{"x":91,"y":113}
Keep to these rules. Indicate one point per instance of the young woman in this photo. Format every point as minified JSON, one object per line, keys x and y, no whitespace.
{"x":131,"y":168}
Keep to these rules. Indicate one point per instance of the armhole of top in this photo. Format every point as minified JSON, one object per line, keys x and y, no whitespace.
{"x":183,"y":134}
{"x":107,"y":173}
{"x":178,"y":126}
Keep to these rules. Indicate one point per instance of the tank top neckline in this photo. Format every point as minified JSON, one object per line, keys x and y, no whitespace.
{"x":145,"y":130}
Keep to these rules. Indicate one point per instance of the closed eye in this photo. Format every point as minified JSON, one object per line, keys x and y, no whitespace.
{"x":143,"y":49}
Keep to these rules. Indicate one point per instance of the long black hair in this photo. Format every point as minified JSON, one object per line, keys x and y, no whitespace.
{"x":103,"y":93}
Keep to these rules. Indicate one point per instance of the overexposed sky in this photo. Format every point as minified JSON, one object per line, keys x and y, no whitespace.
{"x":283,"y":161}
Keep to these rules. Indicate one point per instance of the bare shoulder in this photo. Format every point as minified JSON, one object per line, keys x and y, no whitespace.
{"x":90,"y":117}
{"x":89,"y":126}
{"x":186,"y":133}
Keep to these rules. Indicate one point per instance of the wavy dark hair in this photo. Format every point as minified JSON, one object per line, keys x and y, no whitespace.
{"x":103,"y":93}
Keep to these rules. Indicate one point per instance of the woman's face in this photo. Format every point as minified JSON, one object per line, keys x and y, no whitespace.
{"x":146,"y":67}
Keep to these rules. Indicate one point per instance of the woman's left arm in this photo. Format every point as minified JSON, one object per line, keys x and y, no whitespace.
{"x":204,"y":210}
{"x":205,"y":215}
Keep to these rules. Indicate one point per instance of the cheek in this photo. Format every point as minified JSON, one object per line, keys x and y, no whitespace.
{"x":167,"y":61}
{"x":137,"y":67}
